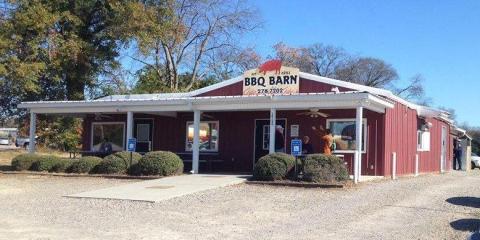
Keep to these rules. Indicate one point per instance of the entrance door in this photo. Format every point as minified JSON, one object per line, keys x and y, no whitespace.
{"x":443,"y":157}
{"x":143,"y":132}
{"x":262,"y":136}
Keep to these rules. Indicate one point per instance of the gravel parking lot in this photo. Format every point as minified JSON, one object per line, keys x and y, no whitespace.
{"x":428,"y":207}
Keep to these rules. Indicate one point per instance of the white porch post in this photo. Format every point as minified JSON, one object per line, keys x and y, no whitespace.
{"x":273,"y":124}
{"x":358,"y":152}
{"x":196,"y":141}
{"x":33,"y":126}
{"x":129,"y":126}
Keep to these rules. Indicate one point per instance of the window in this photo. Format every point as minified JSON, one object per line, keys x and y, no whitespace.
{"x":423,"y":141}
{"x":113,"y":132}
{"x":208,"y":136}
{"x":266,"y":137}
{"x":143,"y":132}
{"x":344,"y":134}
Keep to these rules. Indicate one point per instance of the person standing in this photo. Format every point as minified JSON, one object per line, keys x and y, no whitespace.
{"x":326,"y":137}
{"x":279,"y":139}
{"x":458,"y":156}
{"x":106,"y":147}
{"x":306,"y":146}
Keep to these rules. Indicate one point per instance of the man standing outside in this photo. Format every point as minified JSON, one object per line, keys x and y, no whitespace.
{"x":279,"y":139}
{"x":458,"y":156}
{"x":327,"y":139}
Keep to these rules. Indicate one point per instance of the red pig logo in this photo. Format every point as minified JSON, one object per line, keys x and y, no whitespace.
{"x":272,"y":65}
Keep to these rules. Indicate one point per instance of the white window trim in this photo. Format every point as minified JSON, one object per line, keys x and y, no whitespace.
{"x":218,"y":136}
{"x":365,"y":130}
{"x":107,"y":123}
{"x":420,"y":148}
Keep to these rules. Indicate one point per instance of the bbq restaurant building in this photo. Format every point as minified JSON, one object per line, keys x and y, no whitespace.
{"x":227,"y":126}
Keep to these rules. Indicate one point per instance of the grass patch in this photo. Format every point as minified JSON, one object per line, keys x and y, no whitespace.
{"x":6,"y":156}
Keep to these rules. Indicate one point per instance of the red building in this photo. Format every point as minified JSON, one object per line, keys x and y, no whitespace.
{"x":229,"y":125}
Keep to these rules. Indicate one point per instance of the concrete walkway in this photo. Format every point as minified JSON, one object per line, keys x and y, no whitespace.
{"x":164,"y":188}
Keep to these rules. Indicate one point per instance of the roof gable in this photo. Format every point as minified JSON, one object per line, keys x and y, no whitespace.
{"x":310,"y":83}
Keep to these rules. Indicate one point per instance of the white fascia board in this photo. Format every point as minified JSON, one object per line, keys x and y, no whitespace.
{"x":326,"y":101}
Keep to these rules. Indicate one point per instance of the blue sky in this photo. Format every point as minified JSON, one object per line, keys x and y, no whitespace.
{"x":438,"y":39}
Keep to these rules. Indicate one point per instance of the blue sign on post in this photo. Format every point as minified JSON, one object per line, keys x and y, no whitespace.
{"x":131,"y":144}
{"x":296,"y":147}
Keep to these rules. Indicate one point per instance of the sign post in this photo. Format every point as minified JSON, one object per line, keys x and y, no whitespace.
{"x":131,"y":146}
{"x":296,"y":150}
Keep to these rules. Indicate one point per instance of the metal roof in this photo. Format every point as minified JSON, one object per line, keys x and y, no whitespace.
{"x":421,"y":110}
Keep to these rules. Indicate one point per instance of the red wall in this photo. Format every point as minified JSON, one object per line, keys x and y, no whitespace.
{"x":236,"y":135}
{"x":401,"y":137}
{"x":306,"y":86}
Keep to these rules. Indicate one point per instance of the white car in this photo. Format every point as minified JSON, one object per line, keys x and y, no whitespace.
{"x":4,"y":141}
{"x":475,"y":161}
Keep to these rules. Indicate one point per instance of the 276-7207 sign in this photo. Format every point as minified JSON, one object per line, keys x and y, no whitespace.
{"x":271,"y":78}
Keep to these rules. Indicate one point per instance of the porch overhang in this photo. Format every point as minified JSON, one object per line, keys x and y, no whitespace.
{"x":344,"y":100}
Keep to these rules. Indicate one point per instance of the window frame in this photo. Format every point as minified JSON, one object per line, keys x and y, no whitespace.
{"x":364,"y":122}
{"x":107,"y":123}
{"x":420,"y":145}
{"x":218,"y":136}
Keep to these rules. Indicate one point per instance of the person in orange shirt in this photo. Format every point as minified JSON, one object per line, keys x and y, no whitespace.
{"x":327,"y":139}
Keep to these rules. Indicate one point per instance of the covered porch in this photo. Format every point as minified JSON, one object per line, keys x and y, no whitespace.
{"x":229,"y":132}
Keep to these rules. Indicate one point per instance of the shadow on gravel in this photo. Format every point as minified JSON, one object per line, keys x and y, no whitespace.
{"x":6,"y":168}
{"x":465,"y":201}
{"x":467,"y":224}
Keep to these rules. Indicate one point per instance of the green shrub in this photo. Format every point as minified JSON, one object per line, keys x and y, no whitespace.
{"x":24,"y":161}
{"x":286,"y":159}
{"x":158,"y":163}
{"x":324,"y":168}
{"x":61,"y":166}
{"x":273,"y":166}
{"x":45,"y":163}
{"x":117,"y":163}
{"x":84,"y":164}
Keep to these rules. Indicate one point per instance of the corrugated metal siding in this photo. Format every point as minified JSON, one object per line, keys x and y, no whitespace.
{"x":401,"y":137}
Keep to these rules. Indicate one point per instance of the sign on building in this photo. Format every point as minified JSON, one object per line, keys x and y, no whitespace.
{"x":271,"y":78}
{"x":131,"y":144}
{"x":296,"y":147}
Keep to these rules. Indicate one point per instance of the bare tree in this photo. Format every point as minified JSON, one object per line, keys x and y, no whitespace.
{"x":293,"y":57}
{"x":226,"y":63}
{"x":175,"y":36}
{"x":367,"y":71}
{"x":414,"y":91}
{"x":325,"y":60}
{"x":317,"y":58}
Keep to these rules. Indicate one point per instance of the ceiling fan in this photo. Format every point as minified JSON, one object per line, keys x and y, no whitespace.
{"x":207,"y":116}
{"x":314,"y":113}
{"x":99,"y":116}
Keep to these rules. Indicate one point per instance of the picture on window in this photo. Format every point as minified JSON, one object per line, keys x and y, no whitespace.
{"x":208,"y":136}
{"x":344,"y":135}
{"x":114,"y":133}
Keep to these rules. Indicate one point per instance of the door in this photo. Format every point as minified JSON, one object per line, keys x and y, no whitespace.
{"x":143,"y":132}
{"x":262,"y":136}
{"x":443,"y":157}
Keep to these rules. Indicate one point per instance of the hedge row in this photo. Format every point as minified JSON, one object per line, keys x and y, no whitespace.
{"x":317,"y":168}
{"x":153,"y":163}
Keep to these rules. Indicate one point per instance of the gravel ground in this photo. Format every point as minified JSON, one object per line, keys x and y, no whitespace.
{"x":409,"y":208}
